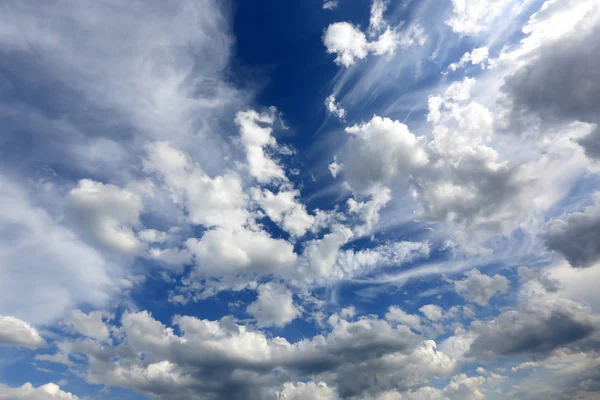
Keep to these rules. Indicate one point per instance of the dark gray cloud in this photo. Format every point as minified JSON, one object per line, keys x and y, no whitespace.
{"x":538,"y":328}
{"x":562,"y":84}
{"x":577,"y":237}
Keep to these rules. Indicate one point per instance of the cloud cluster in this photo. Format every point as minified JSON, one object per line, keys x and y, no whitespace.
{"x":221,"y":359}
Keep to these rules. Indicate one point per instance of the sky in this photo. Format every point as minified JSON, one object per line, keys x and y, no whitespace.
{"x":300,"y":200}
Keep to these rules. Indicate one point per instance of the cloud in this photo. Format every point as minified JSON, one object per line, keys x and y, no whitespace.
{"x":537,"y":328}
{"x":378,"y":151}
{"x":349,"y":43}
{"x":274,"y":306}
{"x":432,"y":312}
{"x":477,"y":56}
{"x":480,"y":288}
{"x":218,"y":201}
{"x":285,"y":209}
{"x":48,"y":262}
{"x":255,"y":135}
{"x":330,"y":4}
{"x":15,"y":332}
{"x":474,"y":17}
{"x":108,"y":214}
{"x":555,"y":78}
{"x":577,"y":237}
{"x":90,"y":325}
{"x":334,"y":108}
{"x":307,"y":391}
{"x":396,"y":314}
{"x":49,"y":391}
{"x":220,"y":359}
{"x":549,"y":284}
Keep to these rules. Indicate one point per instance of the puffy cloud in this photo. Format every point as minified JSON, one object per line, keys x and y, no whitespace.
{"x":274,"y":306}
{"x":255,"y":135}
{"x":555,"y":78}
{"x":108,"y":214}
{"x":537,"y":328}
{"x":474,"y":16}
{"x":307,"y":391}
{"x":334,"y":108}
{"x":477,"y":56}
{"x":396,"y":314}
{"x":49,"y":391}
{"x":325,"y":260}
{"x":220,"y":359}
{"x":222,"y":253}
{"x":432,"y":312}
{"x":218,"y":201}
{"x":480,"y":288}
{"x":577,"y":237}
{"x":152,"y":236}
{"x":347,"y":42}
{"x":330,"y":4}
{"x":47,"y":262}
{"x":350,"y":44}
{"x":543,"y":278}
{"x":91,"y":325}
{"x":285,"y":210}
{"x":368,"y":212}
{"x":15,"y":332}
{"x":380,"y":150}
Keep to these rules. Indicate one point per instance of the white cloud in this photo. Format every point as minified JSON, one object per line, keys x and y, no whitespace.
{"x":255,"y":134}
{"x":349,"y":357}
{"x":368,"y":212}
{"x":285,"y":209}
{"x":152,"y":236}
{"x":470,"y":17}
{"x":274,"y":306}
{"x":15,"y":332}
{"x":480,"y":288}
{"x":347,"y":42}
{"x":433,"y":312}
{"x":47,"y":262}
{"x":334,"y":108}
{"x":49,"y":391}
{"x":218,"y":201}
{"x":398,"y":315}
{"x":307,"y":391}
{"x":108,"y":214}
{"x":91,"y":325}
{"x":330,"y":4}
{"x":380,"y":150}
{"x":376,"y":21}
{"x":478,"y":56}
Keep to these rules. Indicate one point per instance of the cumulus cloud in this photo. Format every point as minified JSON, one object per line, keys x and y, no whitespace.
{"x":398,"y":315}
{"x":255,"y":135}
{"x":330,"y":4}
{"x":49,"y":391}
{"x":46,"y":261}
{"x":91,"y":325}
{"x":15,"y":332}
{"x":307,"y":391}
{"x":274,"y":306}
{"x":577,"y":237}
{"x":220,"y":359}
{"x":432,"y":312}
{"x":108,"y":214}
{"x":218,"y":201}
{"x":555,"y":77}
{"x":473,"y":17}
{"x":334,"y":108}
{"x":536,"y":328}
{"x":380,"y":150}
{"x":285,"y":209}
{"x":480,"y":288}
{"x":477,"y":56}
{"x":350,"y":44}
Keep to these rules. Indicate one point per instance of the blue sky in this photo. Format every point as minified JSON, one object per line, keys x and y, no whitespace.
{"x":300,"y":200}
